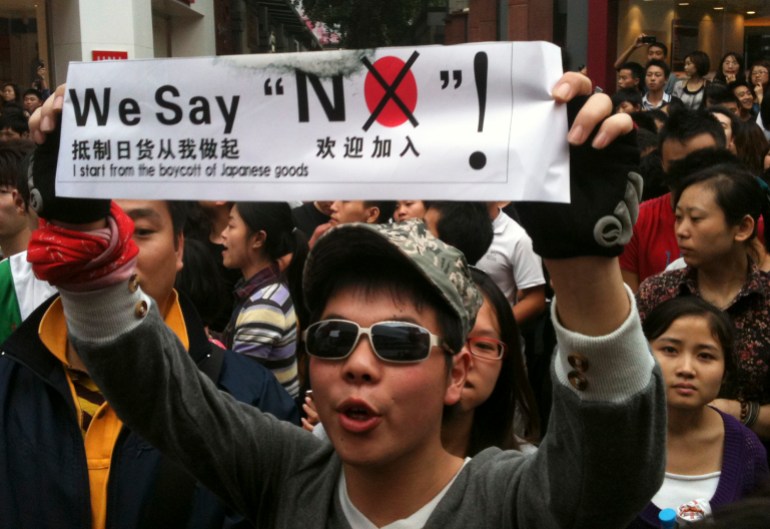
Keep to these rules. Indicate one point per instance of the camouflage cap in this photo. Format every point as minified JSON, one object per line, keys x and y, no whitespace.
{"x":443,"y":266}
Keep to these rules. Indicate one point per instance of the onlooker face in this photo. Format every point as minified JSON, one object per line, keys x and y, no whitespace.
{"x":689,"y":67}
{"x":692,"y":362}
{"x":409,"y":209}
{"x":655,"y":52}
{"x":702,"y":233}
{"x":483,"y":372}
{"x":160,"y":251}
{"x":730,"y":67}
{"x":347,"y":211}
{"x":746,"y":100}
{"x":240,"y":244}
{"x":732,"y":106}
{"x":673,"y":149}
{"x":367,"y":405}
{"x":727,"y":125}
{"x":626,"y":79}
{"x":760,"y":75}
{"x":9,"y":94}
{"x":655,"y":79}
{"x":31,"y":102}
{"x":13,"y":218}
{"x":626,"y":107}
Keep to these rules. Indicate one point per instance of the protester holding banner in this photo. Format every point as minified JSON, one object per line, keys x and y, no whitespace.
{"x":381,"y":398}
{"x":263,"y":325}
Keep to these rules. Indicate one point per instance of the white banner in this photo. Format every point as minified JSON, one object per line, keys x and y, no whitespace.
{"x":467,"y":122}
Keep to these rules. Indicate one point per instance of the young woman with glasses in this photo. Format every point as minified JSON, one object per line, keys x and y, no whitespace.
{"x":497,"y":401}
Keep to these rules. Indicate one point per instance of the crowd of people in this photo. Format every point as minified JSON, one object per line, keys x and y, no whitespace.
{"x":419,"y":363}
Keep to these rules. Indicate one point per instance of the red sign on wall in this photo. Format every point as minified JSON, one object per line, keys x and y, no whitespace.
{"x":100,"y":55}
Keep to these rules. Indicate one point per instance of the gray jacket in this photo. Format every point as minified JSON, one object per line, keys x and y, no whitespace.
{"x":601,"y":462}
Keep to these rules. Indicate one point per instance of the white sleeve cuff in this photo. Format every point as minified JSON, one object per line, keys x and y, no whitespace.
{"x":610,"y":368}
{"x":101,"y":316}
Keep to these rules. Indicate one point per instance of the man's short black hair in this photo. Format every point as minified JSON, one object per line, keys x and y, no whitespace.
{"x":719,"y":94}
{"x":386,"y":207}
{"x":33,"y":92}
{"x":685,"y":124}
{"x":464,"y":225}
{"x":627,"y":95}
{"x":12,"y":154}
{"x":660,"y":64}
{"x":15,"y":122}
{"x":636,"y":69}
{"x":658,"y":44}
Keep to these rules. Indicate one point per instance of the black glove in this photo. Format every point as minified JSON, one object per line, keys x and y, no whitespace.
{"x":605,"y":189}
{"x":41,"y":177}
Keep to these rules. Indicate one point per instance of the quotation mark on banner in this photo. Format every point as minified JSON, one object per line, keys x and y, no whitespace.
{"x":457,"y":75}
{"x":278,"y":87}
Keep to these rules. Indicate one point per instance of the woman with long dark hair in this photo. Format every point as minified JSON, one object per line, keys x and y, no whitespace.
{"x":497,"y":402}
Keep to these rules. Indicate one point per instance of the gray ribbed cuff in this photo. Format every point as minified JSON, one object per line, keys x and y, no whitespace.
{"x":619,"y":364}
{"x":101,"y":316}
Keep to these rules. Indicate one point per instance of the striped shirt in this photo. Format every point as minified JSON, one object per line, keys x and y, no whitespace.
{"x":263,"y":326}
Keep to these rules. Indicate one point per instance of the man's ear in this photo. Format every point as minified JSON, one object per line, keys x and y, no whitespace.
{"x":372,"y":214}
{"x":18,"y":202}
{"x":461,"y":363}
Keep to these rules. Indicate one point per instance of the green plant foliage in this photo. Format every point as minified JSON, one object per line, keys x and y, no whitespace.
{"x":367,"y":23}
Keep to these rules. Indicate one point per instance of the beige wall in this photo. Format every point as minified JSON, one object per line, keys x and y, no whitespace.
{"x":717,"y":32}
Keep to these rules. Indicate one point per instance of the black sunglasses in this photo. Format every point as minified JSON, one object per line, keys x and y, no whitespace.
{"x":392,"y":341}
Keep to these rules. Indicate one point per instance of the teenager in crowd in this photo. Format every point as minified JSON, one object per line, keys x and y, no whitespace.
{"x":655,"y":75}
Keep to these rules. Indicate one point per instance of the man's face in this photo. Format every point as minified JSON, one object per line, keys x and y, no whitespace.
{"x":626,"y":79}
{"x":160,"y":252}
{"x":31,"y":102}
{"x":732,"y":106}
{"x":673,"y":150}
{"x":727,"y":125}
{"x":626,"y":108}
{"x":379,"y":413}
{"x":347,"y":211}
{"x":12,"y":215}
{"x":655,"y":52}
{"x":655,"y":78}
{"x":746,"y":100}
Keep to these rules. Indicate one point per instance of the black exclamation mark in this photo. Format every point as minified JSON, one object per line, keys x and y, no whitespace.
{"x":480,"y":68}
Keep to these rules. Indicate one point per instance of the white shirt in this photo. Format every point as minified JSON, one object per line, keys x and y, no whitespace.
{"x":510,"y":261}
{"x":357,"y":520}
{"x":678,"y":490}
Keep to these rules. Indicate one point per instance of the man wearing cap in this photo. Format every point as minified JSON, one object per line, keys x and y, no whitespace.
{"x":390,"y":310}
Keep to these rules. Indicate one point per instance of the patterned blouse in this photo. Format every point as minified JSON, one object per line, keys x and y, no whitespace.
{"x":749,"y":311}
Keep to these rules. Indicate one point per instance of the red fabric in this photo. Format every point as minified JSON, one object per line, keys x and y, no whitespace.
{"x":84,"y":260}
{"x":653,"y":245}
